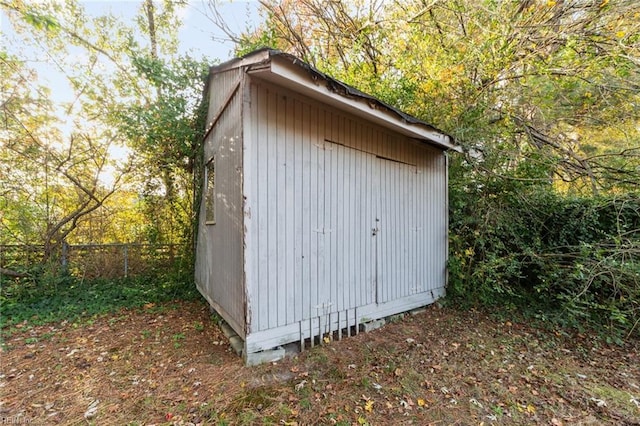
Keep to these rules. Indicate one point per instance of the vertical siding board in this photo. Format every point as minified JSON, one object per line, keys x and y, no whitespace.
{"x":420,"y":222}
{"x":369,"y":217}
{"x":361,"y":220}
{"x":307,"y":194}
{"x":314,"y":210}
{"x":262,"y":212}
{"x":428,"y":171}
{"x":389,"y":235}
{"x":339,"y":229}
{"x":400,"y":240}
{"x":364,"y":220}
{"x":250,"y":173}
{"x":329,"y":195}
{"x":384,"y":261}
{"x":298,"y":207}
{"x":435,"y":212}
{"x":436,"y":226}
{"x":322,"y":174}
{"x":290,"y":221}
{"x":438,"y":216}
{"x":398,"y":231}
{"x":392,"y":223}
{"x":354,"y":183}
{"x":280,"y":209}
{"x":335,"y":236}
{"x":444,"y":218}
{"x":403,"y":237}
{"x":411,"y":231}
{"x":348,"y":294}
{"x":354,"y":298}
{"x":271,"y":209}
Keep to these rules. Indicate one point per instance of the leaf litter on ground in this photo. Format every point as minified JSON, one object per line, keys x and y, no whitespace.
{"x":468,"y":368}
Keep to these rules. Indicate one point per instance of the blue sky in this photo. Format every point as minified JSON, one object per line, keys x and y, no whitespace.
{"x":198,"y":35}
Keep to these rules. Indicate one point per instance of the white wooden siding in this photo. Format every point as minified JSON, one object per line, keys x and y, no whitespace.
{"x":220,"y":247}
{"x":315,"y":181}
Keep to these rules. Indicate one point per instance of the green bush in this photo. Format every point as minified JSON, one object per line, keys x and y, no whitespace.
{"x":572,"y":259}
{"x":46,"y":297}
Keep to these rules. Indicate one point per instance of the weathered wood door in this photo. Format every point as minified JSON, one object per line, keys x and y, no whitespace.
{"x":365,"y":231}
{"x":396,"y":231}
{"x":343,"y":241}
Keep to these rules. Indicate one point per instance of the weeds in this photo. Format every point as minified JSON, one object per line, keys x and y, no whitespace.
{"x":45,"y":299}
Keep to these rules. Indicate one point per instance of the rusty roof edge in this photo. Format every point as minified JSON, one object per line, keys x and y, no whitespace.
{"x":264,"y":55}
{"x":349,"y":91}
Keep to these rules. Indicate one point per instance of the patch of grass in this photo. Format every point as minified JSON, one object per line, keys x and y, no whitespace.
{"x":252,"y":401}
{"x":318,"y":355}
{"x":305,"y":404}
{"x":411,"y":382}
{"x":43,"y":300}
{"x":177,"y":338}
{"x":616,"y":399}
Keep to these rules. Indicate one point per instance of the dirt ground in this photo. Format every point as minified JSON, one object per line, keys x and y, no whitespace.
{"x":171,"y":365}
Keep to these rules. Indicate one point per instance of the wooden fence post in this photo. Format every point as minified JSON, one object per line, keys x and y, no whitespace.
{"x":64,"y":255}
{"x":126,"y":260}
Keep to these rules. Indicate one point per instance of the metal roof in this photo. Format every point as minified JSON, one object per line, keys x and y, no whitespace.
{"x":290,"y":71}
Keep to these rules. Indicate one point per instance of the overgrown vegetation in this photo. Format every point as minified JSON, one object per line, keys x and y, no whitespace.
{"x":574,"y":260}
{"x":542,"y":96}
{"x":55,"y":297}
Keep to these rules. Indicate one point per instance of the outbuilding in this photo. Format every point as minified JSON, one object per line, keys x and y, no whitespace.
{"x":323,"y":208}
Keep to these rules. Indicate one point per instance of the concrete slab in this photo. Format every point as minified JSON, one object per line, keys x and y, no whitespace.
{"x":372,"y":325}
{"x":264,"y":356}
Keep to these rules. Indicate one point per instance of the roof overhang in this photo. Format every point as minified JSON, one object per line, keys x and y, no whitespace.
{"x":292,"y":73}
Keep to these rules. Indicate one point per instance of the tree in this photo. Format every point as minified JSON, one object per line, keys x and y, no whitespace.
{"x":49,"y":186}
{"x":543,"y":97}
{"x":130,"y":90}
{"x":549,"y":82}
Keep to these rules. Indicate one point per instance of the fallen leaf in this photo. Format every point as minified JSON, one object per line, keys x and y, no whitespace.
{"x":368,"y":406}
{"x":421,"y":402}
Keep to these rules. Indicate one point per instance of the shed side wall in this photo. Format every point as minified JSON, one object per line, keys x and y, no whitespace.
{"x":219,"y":253}
{"x":316,"y":181}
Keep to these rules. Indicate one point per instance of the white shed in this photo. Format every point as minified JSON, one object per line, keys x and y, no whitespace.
{"x":323,"y":208}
